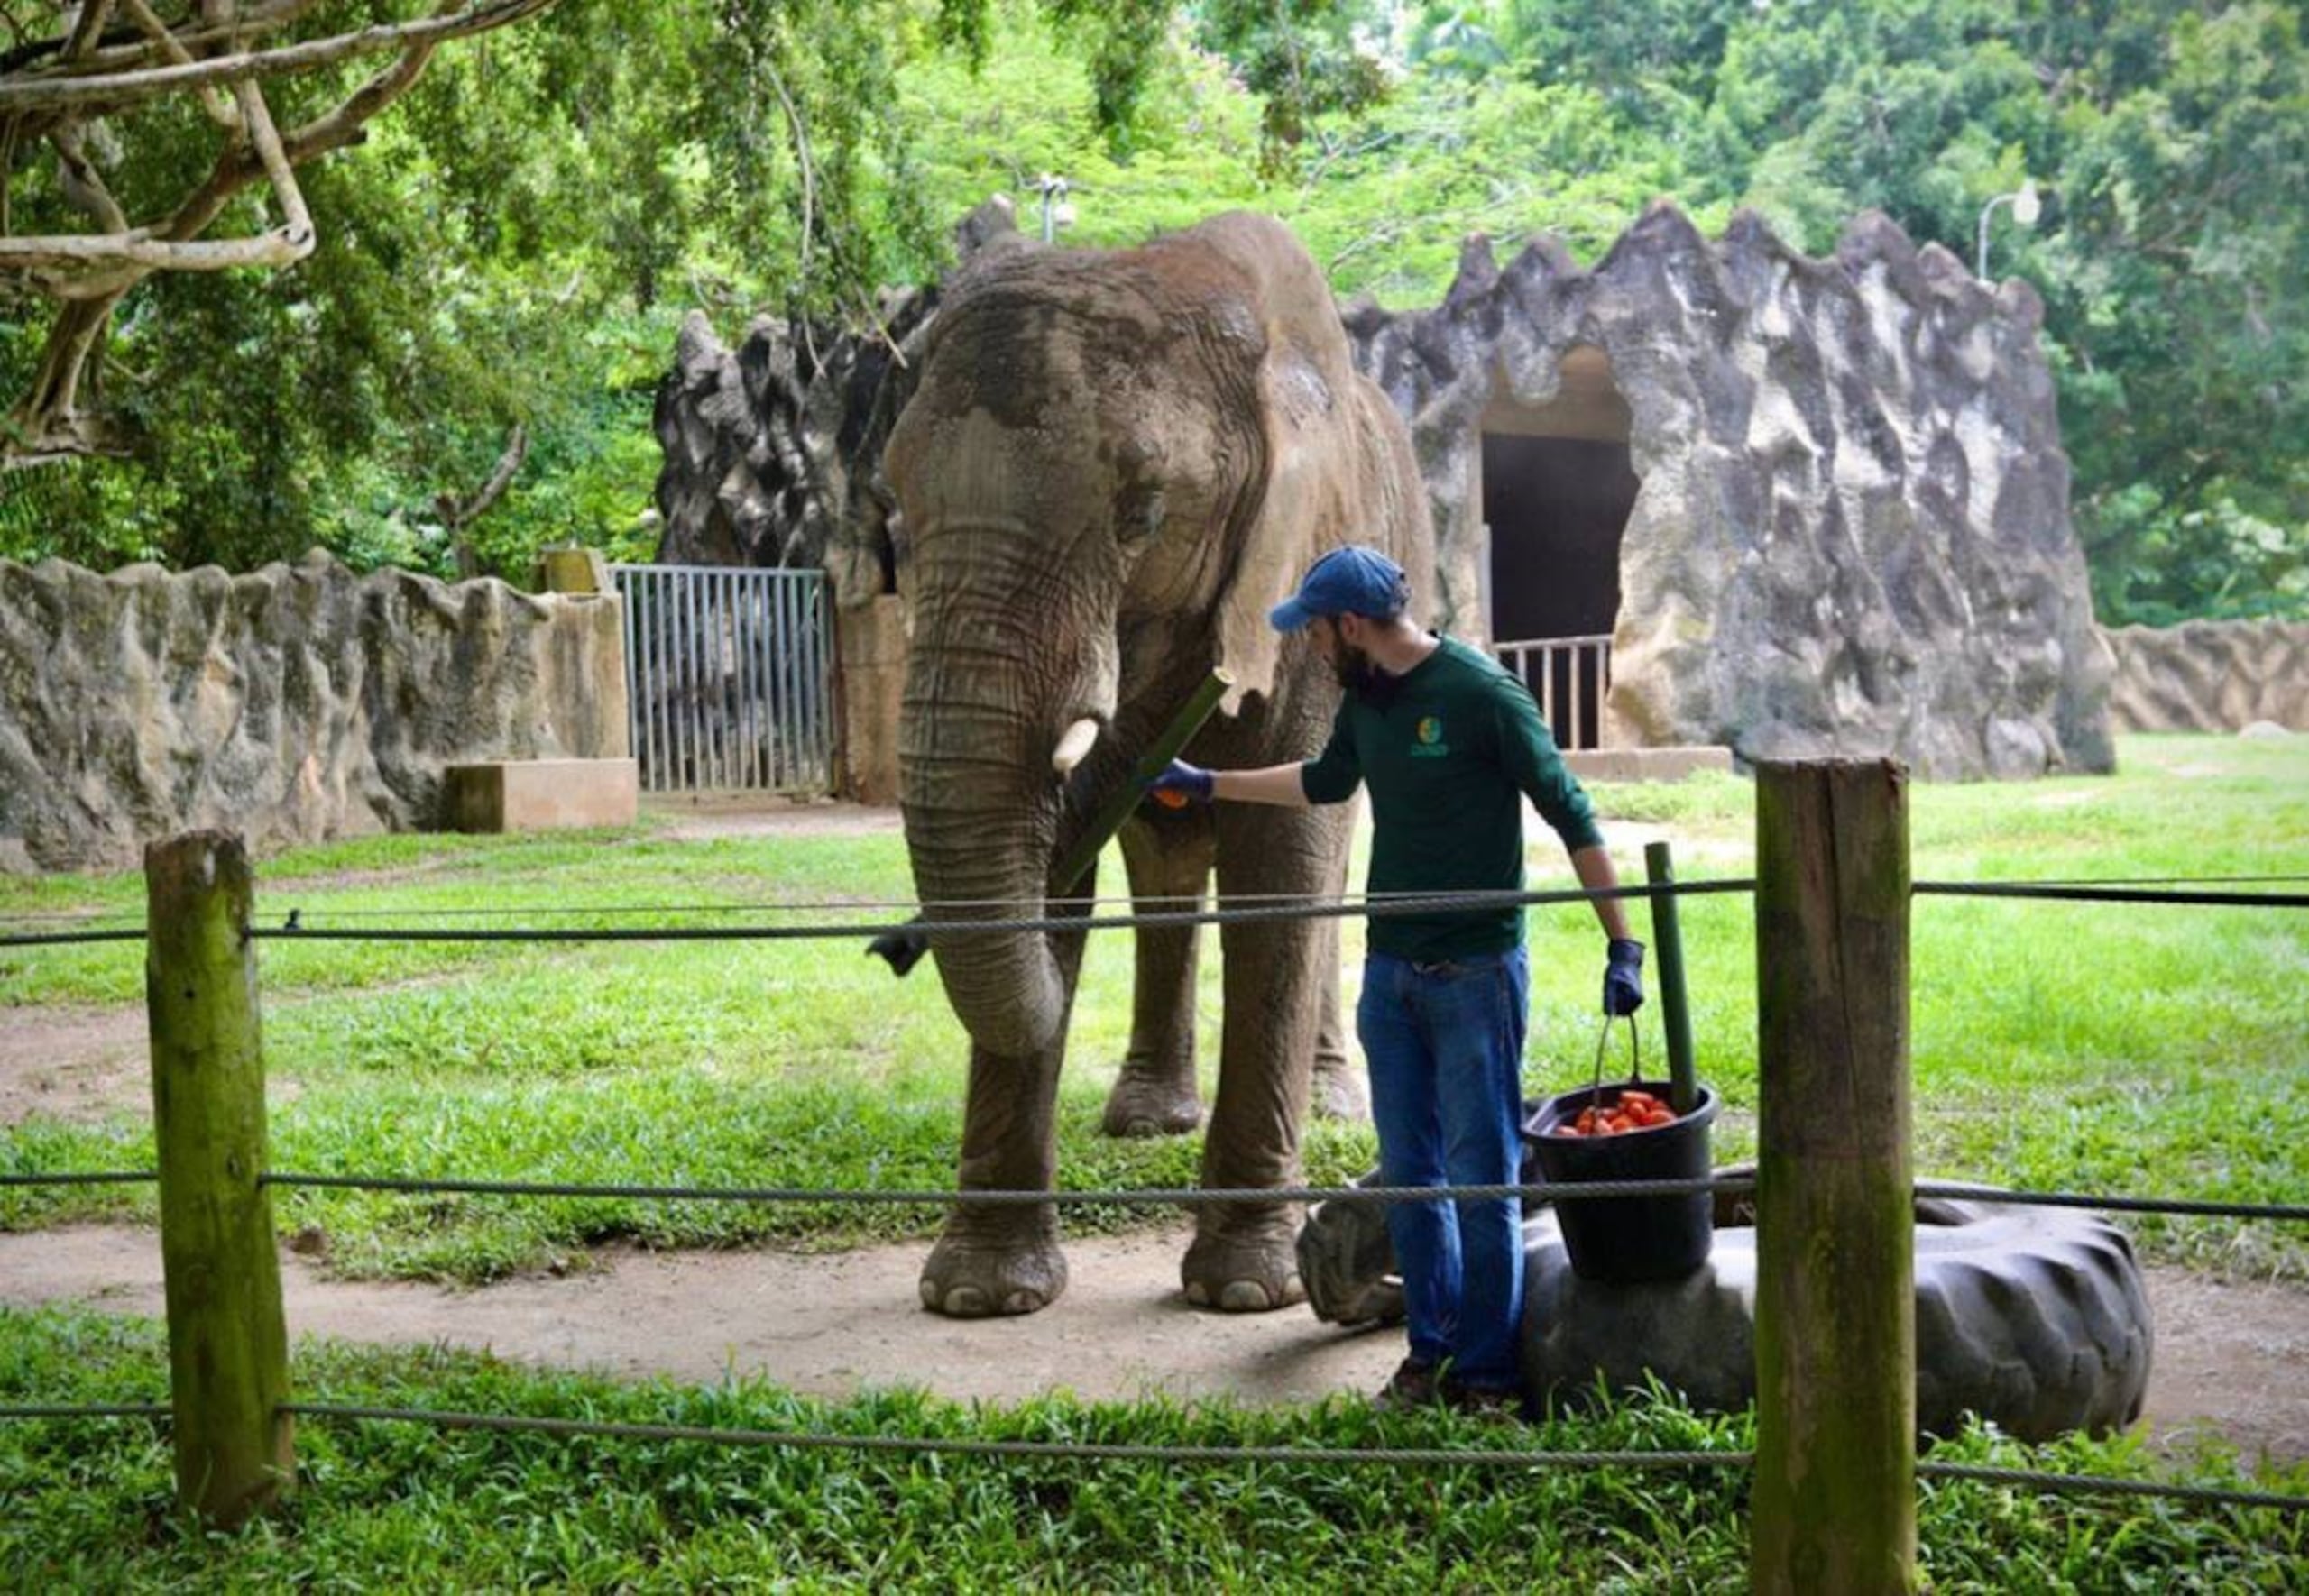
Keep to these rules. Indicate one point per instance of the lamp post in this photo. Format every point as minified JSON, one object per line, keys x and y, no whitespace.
{"x":1056,"y":212}
{"x":2026,"y":206}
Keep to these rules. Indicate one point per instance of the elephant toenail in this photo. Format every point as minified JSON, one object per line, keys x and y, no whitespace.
{"x":1243,"y":1296}
{"x":930,"y":1294}
{"x":966,"y":1302}
{"x":1198,"y":1294}
{"x":1021,"y":1302}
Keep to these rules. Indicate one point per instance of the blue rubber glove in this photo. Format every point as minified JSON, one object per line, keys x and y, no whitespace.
{"x":1182,"y":784}
{"x":1623,"y":977}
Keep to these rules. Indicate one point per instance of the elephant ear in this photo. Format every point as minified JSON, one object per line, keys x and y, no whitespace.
{"x":1290,"y":514}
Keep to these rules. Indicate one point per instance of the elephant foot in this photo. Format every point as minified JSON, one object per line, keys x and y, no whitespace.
{"x":1338,"y":1093}
{"x":981,"y":1277}
{"x":1249,"y":1267}
{"x":1144,"y":1103}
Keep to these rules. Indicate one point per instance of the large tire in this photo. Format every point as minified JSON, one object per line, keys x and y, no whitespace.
{"x":2034,"y":1319}
{"x":1347,"y":1264}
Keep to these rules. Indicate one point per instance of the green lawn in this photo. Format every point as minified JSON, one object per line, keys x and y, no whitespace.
{"x":2149,"y":1049}
{"x":85,"y":1505}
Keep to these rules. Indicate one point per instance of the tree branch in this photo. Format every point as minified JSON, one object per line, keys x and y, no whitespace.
{"x":249,"y":22}
{"x":457,"y":514}
{"x":88,"y":274}
{"x":88,"y":29}
{"x":221,"y":111}
{"x":111,"y":90}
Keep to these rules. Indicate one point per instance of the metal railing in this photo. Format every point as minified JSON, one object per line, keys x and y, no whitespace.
{"x":728,"y":677}
{"x":1569,"y":677}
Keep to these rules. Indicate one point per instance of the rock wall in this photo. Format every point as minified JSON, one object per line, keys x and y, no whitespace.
{"x":290,"y":705}
{"x":1851,"y":538}
{"x":2211,"y":675}
{"x":773,"y":451}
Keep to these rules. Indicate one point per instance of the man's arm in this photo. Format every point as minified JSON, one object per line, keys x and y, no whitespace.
{"x":1278,"y":784}
{"x":1593,"y":866}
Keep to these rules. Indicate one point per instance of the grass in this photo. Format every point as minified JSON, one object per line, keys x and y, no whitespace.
{"x":2148,"y":1050}
{"x":85,"y":1505}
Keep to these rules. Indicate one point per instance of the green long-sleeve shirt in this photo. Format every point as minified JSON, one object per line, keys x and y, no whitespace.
{"x":1450,"y":756}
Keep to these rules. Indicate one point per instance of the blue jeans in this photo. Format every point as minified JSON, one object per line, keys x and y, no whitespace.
{"x":1445,"y":1043}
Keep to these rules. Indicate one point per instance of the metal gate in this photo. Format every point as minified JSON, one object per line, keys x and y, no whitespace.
{"x":728,"y":678}
{"x":1569,"y":676}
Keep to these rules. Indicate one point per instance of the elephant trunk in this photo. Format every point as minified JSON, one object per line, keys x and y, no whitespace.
{"x":981,"y":809}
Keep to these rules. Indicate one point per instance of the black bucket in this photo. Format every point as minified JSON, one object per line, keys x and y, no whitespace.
{"x":1626,"y":1239}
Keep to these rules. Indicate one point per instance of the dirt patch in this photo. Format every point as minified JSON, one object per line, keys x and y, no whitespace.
{"x":76,"y":1064}
{"x":2232,"y":1361}
{"x":693,"y":817}
{"x":827,"y":1326}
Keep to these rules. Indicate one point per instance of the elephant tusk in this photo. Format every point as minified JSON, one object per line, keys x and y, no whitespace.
{"x":1077,"y":742}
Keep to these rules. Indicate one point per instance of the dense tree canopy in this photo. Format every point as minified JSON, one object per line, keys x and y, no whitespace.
{"x":496,"y":269}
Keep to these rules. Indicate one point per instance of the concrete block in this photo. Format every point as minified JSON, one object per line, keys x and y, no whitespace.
{"x":542,"y":794}
{"x":1647,"y":765}
{"x":573,"y":571}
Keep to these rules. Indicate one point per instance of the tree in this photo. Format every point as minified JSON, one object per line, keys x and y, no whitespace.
{"x":509,"y":248}
{"x":77,"y":80}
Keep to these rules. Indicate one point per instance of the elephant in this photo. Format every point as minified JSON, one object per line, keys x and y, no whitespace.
{"x":1154,"y":1092}
{"x":1113,"y":465}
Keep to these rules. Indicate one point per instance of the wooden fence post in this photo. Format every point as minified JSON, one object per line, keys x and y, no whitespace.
{"x":228,"y":1342}
{"x":1835,"y":1503}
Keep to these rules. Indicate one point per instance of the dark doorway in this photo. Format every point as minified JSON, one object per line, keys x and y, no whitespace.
{"x":1556,"y":508}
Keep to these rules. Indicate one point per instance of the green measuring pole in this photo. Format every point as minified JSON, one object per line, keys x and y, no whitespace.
{"x":1675,"y":1008}
{"x":1157,"y":759}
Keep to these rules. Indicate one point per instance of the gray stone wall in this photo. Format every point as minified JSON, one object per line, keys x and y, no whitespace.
{"x":2211,"y":675}
{"x":290,"y":705}
{"x":1851,"y":535}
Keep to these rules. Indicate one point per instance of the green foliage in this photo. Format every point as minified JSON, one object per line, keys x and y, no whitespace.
{"x":2173,"y":139}
{"x":516,"y":243}
{"x":407,"y":1506}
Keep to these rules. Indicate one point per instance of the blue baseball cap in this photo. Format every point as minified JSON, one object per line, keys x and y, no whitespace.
{"x":1349,"y":581}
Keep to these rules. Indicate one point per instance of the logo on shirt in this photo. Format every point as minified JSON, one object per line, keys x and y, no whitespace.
{"x":1429,"y":735}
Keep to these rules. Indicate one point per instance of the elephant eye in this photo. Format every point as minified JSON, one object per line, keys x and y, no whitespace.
{"x":1139,"y":509}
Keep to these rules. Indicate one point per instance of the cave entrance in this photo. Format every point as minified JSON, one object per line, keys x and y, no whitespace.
{"x":1558,"y":486}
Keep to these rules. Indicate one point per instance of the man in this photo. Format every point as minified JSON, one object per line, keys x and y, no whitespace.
{"x":1449,"y":744}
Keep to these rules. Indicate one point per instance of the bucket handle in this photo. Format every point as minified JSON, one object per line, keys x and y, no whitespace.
{"x":1635,"y":1055}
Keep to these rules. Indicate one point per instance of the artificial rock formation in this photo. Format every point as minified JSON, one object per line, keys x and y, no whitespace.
{"x":773,"y":451}
{"x":289,"y":705}
{"x":2211,"y":675}
{"x":1851,"y":537}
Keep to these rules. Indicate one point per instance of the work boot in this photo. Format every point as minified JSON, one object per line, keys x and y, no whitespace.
{"x":1415,"y":1383}
{"x":1492,"y":1404}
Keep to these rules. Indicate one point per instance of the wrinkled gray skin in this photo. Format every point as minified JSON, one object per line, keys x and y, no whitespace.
{"x":1114,"y":465}
{"x":1169,"y":866}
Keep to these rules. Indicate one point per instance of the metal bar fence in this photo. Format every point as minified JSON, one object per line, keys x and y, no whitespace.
{"x":1583,"y":665}
{"x":728,"y":678}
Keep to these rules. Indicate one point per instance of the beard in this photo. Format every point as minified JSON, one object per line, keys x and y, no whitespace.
{"x":1359,"y":676}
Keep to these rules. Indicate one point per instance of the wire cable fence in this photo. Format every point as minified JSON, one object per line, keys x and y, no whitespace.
{"x":1084,"y":915}
{"x":1239,"y":1455}
{"x":1185,"y":1196}
{"x":1234,"y":909}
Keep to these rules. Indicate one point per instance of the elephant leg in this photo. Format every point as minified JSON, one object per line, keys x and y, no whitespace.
{"x":1243,"y":1258}
{"x":1338,"y":1091}
{"x":1169,"y":861}
{"x":1004,"y":1259}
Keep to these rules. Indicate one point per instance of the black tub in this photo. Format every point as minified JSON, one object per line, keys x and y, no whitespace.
{"x":1621,"y":1239}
